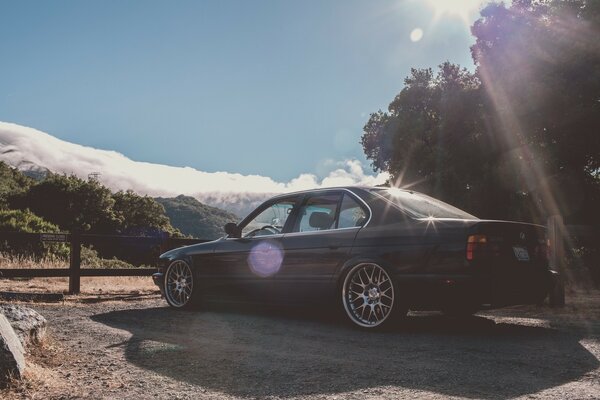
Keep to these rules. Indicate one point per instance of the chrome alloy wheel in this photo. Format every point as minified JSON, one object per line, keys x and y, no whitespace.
{"x":179,"y":283}
{"x":368,"y":295}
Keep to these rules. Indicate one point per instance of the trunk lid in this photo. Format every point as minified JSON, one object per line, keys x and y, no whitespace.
{"x":513,"y":242}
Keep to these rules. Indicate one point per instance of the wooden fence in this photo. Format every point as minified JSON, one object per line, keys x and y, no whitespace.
{"x":151,"y":246}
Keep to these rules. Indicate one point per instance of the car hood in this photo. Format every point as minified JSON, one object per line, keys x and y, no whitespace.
{"x":199,"y":248}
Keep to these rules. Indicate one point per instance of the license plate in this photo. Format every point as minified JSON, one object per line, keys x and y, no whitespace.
{"x":521,"y":253}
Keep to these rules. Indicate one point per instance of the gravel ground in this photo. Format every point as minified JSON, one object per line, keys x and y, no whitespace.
{"x":137,"y":348}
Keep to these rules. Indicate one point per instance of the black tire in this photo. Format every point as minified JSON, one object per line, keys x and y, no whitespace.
{"x":370,"y":297}
{"x":556,"y":297}
{"x":181,"y":290}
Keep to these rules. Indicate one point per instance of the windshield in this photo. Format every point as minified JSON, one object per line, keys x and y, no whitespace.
{"x":420,"y":205}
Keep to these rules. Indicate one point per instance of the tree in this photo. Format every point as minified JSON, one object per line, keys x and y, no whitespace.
{"x":141,"y":215}
{"x":432,"y":139}
{"x":539,"y":64}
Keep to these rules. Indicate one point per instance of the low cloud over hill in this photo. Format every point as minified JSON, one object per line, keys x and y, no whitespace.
{"x":35,"y":152}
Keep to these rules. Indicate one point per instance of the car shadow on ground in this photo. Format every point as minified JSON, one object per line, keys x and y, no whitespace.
{"x":285,"y":353}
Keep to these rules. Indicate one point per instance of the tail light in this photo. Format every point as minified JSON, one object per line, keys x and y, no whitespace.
{"x":475,"y":244}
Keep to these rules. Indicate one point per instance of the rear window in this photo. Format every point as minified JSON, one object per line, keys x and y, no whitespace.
{"x":420,"y":205}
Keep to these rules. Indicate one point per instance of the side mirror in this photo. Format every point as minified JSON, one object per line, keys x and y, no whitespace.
{"x":233,"y":230}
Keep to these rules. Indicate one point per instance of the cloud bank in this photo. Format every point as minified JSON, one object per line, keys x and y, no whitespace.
{"x":31,"y":149}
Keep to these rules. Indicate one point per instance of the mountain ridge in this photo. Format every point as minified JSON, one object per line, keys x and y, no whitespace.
{"x":193,"y":218}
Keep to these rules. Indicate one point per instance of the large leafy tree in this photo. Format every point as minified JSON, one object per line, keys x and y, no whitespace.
{"x":539,"y":63}
{"x":519,"y":137}
{"x":432,"y":139}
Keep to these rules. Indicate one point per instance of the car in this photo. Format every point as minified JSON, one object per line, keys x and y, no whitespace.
{"x":374,"y":252}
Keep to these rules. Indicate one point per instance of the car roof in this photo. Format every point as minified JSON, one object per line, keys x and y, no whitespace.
{"x":324,"y":189}
{"x":348,"y":187}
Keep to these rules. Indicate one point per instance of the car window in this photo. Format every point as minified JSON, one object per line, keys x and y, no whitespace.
{"x":318,"y":213}
{"x":420,"y":205}
{"x":271,"y":220}
{"x":351,"y":213}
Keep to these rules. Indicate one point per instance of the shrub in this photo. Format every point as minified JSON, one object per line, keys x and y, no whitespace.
{"x":28,"y":222}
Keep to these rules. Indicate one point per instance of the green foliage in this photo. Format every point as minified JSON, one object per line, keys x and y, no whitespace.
{"x":91,"y":259}
{"x":12,"y":182}
{"x":71,"y":203}
{"x":78,"y":205}
{"x":517,"y":139}
{"x":26,"y":221}
{"x":432,"y":138}
{"x":196,"y":219}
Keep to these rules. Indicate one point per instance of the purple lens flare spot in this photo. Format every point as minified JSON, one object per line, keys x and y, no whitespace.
{"x":265,"y":258}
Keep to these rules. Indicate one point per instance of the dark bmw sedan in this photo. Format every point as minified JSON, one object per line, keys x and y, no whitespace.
{"x":373,"y":252}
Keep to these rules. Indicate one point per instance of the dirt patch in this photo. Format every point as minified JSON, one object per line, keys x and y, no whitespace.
{"x":142,"y":349}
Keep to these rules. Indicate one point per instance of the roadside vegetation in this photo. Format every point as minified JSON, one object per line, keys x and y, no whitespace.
{"x":60,"y":203}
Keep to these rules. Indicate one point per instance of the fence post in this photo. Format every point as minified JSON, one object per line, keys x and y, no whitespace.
{"x":75,"y":263}
{"x":556,"y":237}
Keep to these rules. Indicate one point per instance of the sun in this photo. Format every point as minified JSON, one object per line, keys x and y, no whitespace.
{"x":460,"y":8}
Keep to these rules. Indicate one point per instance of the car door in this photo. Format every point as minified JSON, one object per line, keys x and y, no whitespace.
{"x":319,"y":242}
{"x":243,"y":268}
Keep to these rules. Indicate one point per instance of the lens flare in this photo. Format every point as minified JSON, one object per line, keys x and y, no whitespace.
{"x":265,"y":258}
{"x":416,"y":34}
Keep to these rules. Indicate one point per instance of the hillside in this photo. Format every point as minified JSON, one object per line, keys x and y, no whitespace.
{"x":194,"y":218}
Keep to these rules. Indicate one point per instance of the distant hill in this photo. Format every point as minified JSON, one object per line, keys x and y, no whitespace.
{"x":240,"y":204}
{"x":194,"y":218}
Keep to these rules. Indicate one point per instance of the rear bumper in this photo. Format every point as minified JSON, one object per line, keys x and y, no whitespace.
{"x":438,"y":292}
{"x":159,"y":278}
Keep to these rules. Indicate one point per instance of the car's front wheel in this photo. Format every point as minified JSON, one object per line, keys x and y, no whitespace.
{"x":370,"y":297}
{"x":180,"y":291}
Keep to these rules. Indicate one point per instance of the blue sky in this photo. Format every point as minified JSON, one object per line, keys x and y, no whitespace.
{"x":274,"y":88}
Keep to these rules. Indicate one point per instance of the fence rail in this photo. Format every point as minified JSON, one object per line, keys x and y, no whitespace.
{"x":151,"y":247}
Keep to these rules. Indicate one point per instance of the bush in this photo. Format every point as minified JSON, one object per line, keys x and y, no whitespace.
{"x":27,"y":222}
{"x":91,"y":259}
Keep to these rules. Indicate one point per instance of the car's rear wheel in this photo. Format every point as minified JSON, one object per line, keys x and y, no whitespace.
{"x":180,"y":291}
{"x":370,"y":297}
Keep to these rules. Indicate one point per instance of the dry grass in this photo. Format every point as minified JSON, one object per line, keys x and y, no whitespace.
{"x":41,"y":376}
{"x":89,"y":285}
{"x":10,"y":261}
